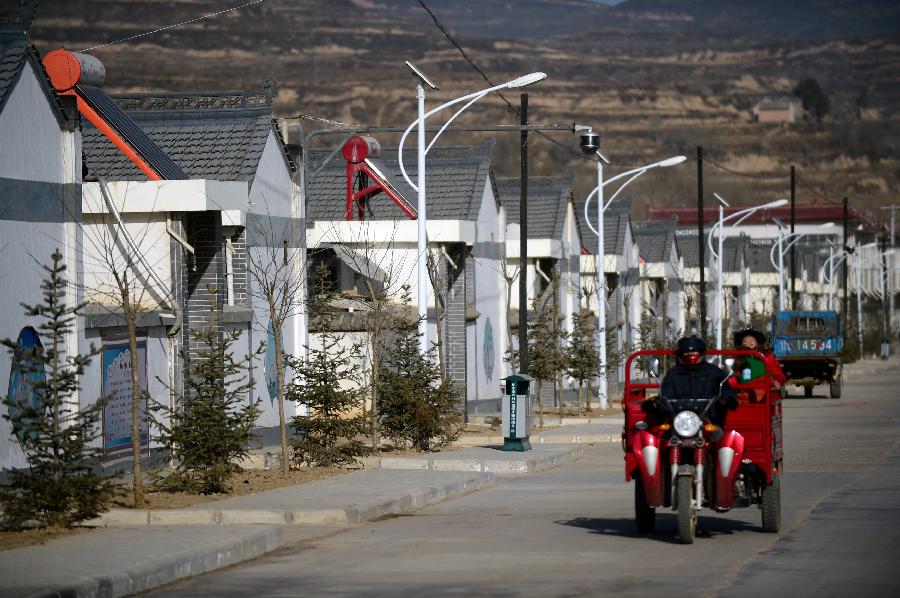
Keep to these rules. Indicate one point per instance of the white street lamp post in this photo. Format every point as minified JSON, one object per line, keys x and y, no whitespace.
{"x":831,"y":263}
{"x":781,"y":249}
{"x":602,"y":204}
{"x":740,"y":215}
{"x":859,"y":325}
{"x":422,"y":239}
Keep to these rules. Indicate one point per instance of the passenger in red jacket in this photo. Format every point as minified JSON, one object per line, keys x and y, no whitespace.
{"x":756,"y":341}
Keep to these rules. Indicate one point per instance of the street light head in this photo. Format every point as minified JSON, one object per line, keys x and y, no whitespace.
{"x":672,"y":161}
{"x":721,"y":200}
{"x":826,"y":225}
{"x":589,"y":142}
{"x":422,"y":76}
{"x":526,"y":80}
{"x":776,"y":204}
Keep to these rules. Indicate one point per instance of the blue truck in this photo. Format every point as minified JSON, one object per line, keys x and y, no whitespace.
{"x":808,"y":345}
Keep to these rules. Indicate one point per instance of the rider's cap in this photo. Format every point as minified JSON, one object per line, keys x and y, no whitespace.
{"x":690,"y":343}
{"x":739,"y":336}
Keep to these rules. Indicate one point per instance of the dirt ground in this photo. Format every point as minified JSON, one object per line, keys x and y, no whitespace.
{"x":243,"y":483}
{"x":31,"y":537}
{"x":249,"y":481}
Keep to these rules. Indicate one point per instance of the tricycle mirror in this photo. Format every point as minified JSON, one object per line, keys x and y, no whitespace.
{"x":653,"y":367}
{"x":729,"y":365}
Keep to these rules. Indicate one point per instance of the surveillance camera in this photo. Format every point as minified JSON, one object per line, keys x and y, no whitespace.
{"x":590,"y":142}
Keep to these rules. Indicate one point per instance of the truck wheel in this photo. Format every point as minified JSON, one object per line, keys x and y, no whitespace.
{"x":771,"y":505}
{"x":687,"y":514}
{"x":644,"y":515}
{"x":807,"y":392}
{"x":835,"y":389}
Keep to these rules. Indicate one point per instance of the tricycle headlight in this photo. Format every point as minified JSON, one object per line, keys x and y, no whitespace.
{"x":687,"y":424}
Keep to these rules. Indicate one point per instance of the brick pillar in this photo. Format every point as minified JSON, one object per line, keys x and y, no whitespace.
{"x":460,"y":291}
{"x":205,"y":274}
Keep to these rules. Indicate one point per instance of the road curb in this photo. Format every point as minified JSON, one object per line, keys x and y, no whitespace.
{"x":145,"y":576}
{"x":543,"y":439}
{"x":530,"y":464}
{"x":358,"y":512}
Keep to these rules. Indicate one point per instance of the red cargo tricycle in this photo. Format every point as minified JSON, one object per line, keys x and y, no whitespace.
{"x":679,"y":459}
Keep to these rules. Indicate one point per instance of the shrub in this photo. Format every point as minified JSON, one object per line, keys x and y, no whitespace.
{"x":60,"y":486}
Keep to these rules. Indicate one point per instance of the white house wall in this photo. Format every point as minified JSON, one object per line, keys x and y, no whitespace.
{"x":31,"y":143}
{"x":106,"y":250}
{"x":490,"y":302}
{"x":40,"y":211}
{"x":272,"y":220}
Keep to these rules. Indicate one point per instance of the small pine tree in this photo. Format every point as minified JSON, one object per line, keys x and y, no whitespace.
{"x":546,"y":350}
{"x":329,"y":384}
{"x":582,"y":356}
{"x":60,"y":486}
{"x":210,"y":429}
{"x":417,"y":405}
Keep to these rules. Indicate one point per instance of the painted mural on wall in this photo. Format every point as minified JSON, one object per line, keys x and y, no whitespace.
{"x":487,"y":351}
{"x":24,"y":377}
{"x":117,"y":391}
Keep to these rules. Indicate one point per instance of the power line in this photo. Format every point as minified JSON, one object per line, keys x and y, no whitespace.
{"x":509,"y":105}
{"x":176,"y":25}
{"x":735,"y":172}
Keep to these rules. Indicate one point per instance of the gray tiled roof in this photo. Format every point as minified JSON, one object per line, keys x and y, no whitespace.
{"x":654,"y":239}
{"x":207,"y":140}
{"x":689,"y":248}
{"x":734,"y":249}
{"x":455,"y":177}
{"x":548,"y":199}
{"x":758,"y":252}
{"x":615,"y":223}
{"x":15,"y":51}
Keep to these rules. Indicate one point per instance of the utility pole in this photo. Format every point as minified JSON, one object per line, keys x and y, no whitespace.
{"x":845,"y":313}
{"x":793,"y":252}
{"x":893,"y":274}
{"x":885,"y":338}
{"x":523,"y":237}
{"x":700,"y":240}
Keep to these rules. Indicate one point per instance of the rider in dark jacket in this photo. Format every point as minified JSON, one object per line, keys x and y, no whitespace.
{"x":695,"y":378}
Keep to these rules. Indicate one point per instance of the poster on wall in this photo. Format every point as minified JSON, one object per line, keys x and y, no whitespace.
{"x":117,"y":390}
{"x":25,"y":380}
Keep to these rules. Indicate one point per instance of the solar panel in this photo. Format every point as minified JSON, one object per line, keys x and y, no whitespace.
{"x":131,"y":132}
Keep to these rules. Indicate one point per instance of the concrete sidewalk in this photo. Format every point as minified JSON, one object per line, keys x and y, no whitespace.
{"x":141,"y":550}
{"x":574,"y":430}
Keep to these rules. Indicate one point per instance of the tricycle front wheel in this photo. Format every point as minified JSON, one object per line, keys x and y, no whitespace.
{"x":644,"y":515}
{"x":771,"y":505}
{"x":687,"y":514}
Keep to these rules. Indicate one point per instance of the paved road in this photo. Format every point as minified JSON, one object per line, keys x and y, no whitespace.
{"x":569,"y":532}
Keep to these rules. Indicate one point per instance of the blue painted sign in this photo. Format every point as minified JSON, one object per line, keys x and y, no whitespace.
{"x":117,"y":391}
{"x":27,"y":373}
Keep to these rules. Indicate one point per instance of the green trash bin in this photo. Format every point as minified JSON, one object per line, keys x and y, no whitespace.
{"x":516,"y":413}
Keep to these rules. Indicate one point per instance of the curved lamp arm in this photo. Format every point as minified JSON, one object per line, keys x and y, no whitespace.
{"x":741,"y":215}
{"x":471,"y":98}
{"x":634,"y":173}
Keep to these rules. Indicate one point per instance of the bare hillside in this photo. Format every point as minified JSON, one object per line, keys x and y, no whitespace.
{"x":654,"y":77}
